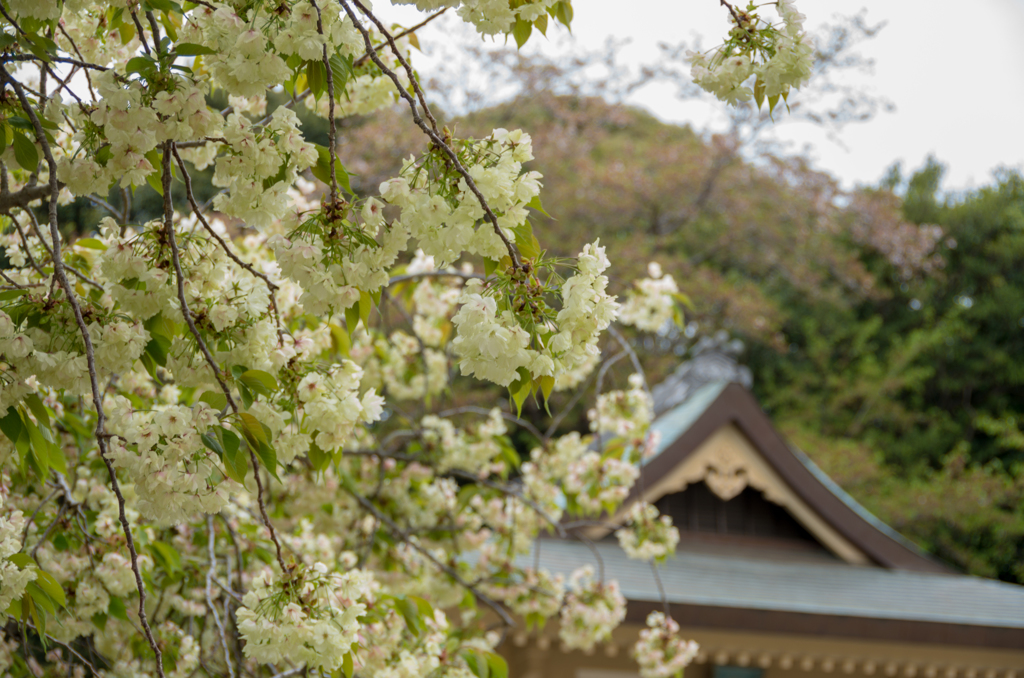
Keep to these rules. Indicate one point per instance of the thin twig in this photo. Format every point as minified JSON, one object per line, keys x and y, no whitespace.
{"x":209,"y":595}
{"x":62,"y":60}
{"x":430,"y":131}
{"x":398,"y":532}
{"x":508,"y":416}
{"x":435,"y":274}
{"x":31,"y":519}
{"x":362,"y":60}
{"x":332,"y":132}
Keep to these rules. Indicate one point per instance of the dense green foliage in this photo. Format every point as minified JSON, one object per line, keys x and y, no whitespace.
{"x":927,"y":377}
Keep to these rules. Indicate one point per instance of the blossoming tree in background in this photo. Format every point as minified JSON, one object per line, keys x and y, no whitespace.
{"x":234,"y":439}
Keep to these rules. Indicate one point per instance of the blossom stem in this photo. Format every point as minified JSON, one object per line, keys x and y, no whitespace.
{"x":332,"y":133}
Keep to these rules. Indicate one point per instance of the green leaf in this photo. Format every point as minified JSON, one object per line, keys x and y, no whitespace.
{"x":143,"y":65}
{"x":268,"y":455}
{"x":33,"y":610}
{"x":39,"y":459}
{"x":563,"y":12}
{"x":322,"y":169}
{"x":759,"y":92}
{"x":166,"y":6}
{"x":490,"y":266}
{"x":521,"y":31}
{"x":683,"y":299}
{"x":187,"y":49}
{"x":53,"y":589}
{"x":365,"y":306}
{"x":155,"y":179}
{"x":211,"y":443}
{"x":477,"y":662}
{"x":166,"y":556}
{"x":318,"y":459}
{"x":316,"y":78}
{"x":56,"y":457}
{"x":520,"y":389}
{"x":41,"y":598}
{"x":347,"y":665}
{"x":259,"y":381}
{"x":526,"y":241}
{"x":25,"y":152}
{"x":342,"y":342}
{"x":352,"y":318}
{"x":11,"y":425}
{"x":252,"y":429}
{"x":7,"y":295}
{"x":497,"y":665}
{"x":158,"y":348}
{"x":236,"y":463}
{"x":411,"y":613}
{"x":536,"y":204}
{"x":247,"y":399}
{"x":116,"y":609}
{"x":91,"y":243}
{"x":772,"y":101}
{"x":214,"y":399}
{"x":22,"y":560}
{"x":547,"y":385}
{"x":541,"y":24}
{"x":342,"y":71}
{"x":38,"y":409}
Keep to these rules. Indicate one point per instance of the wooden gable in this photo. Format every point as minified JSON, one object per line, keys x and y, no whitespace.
{"x":725,"y":445}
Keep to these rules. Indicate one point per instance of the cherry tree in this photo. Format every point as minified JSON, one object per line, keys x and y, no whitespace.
{"x":235,"y":441}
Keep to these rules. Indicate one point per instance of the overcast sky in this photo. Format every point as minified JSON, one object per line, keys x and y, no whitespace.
{"x":952,"y":69}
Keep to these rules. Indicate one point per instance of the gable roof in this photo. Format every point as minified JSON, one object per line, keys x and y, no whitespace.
{"x":785,"y":474}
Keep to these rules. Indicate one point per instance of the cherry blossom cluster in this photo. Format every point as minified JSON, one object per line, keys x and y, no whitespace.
{"x":649,"y":535}
{"x":591,"y":611}
{"x":624,"y":414}
{"x":650,"y":305}
{"x":311,"y":616}
{"x":781,"y":57}
{"x":493,"y":344}
{"x":660,"y":652}
{"x":490,"y":17}
{"x":13,"y":579}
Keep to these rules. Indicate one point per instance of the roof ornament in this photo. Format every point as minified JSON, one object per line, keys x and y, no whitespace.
{"x":712,"y":358}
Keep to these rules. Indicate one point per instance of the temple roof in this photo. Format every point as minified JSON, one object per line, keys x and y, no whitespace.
{"x":721,"y":436}
{"x":697,"y":577}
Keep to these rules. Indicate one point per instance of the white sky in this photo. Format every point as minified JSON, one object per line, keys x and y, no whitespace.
{"x":953,"y":69}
